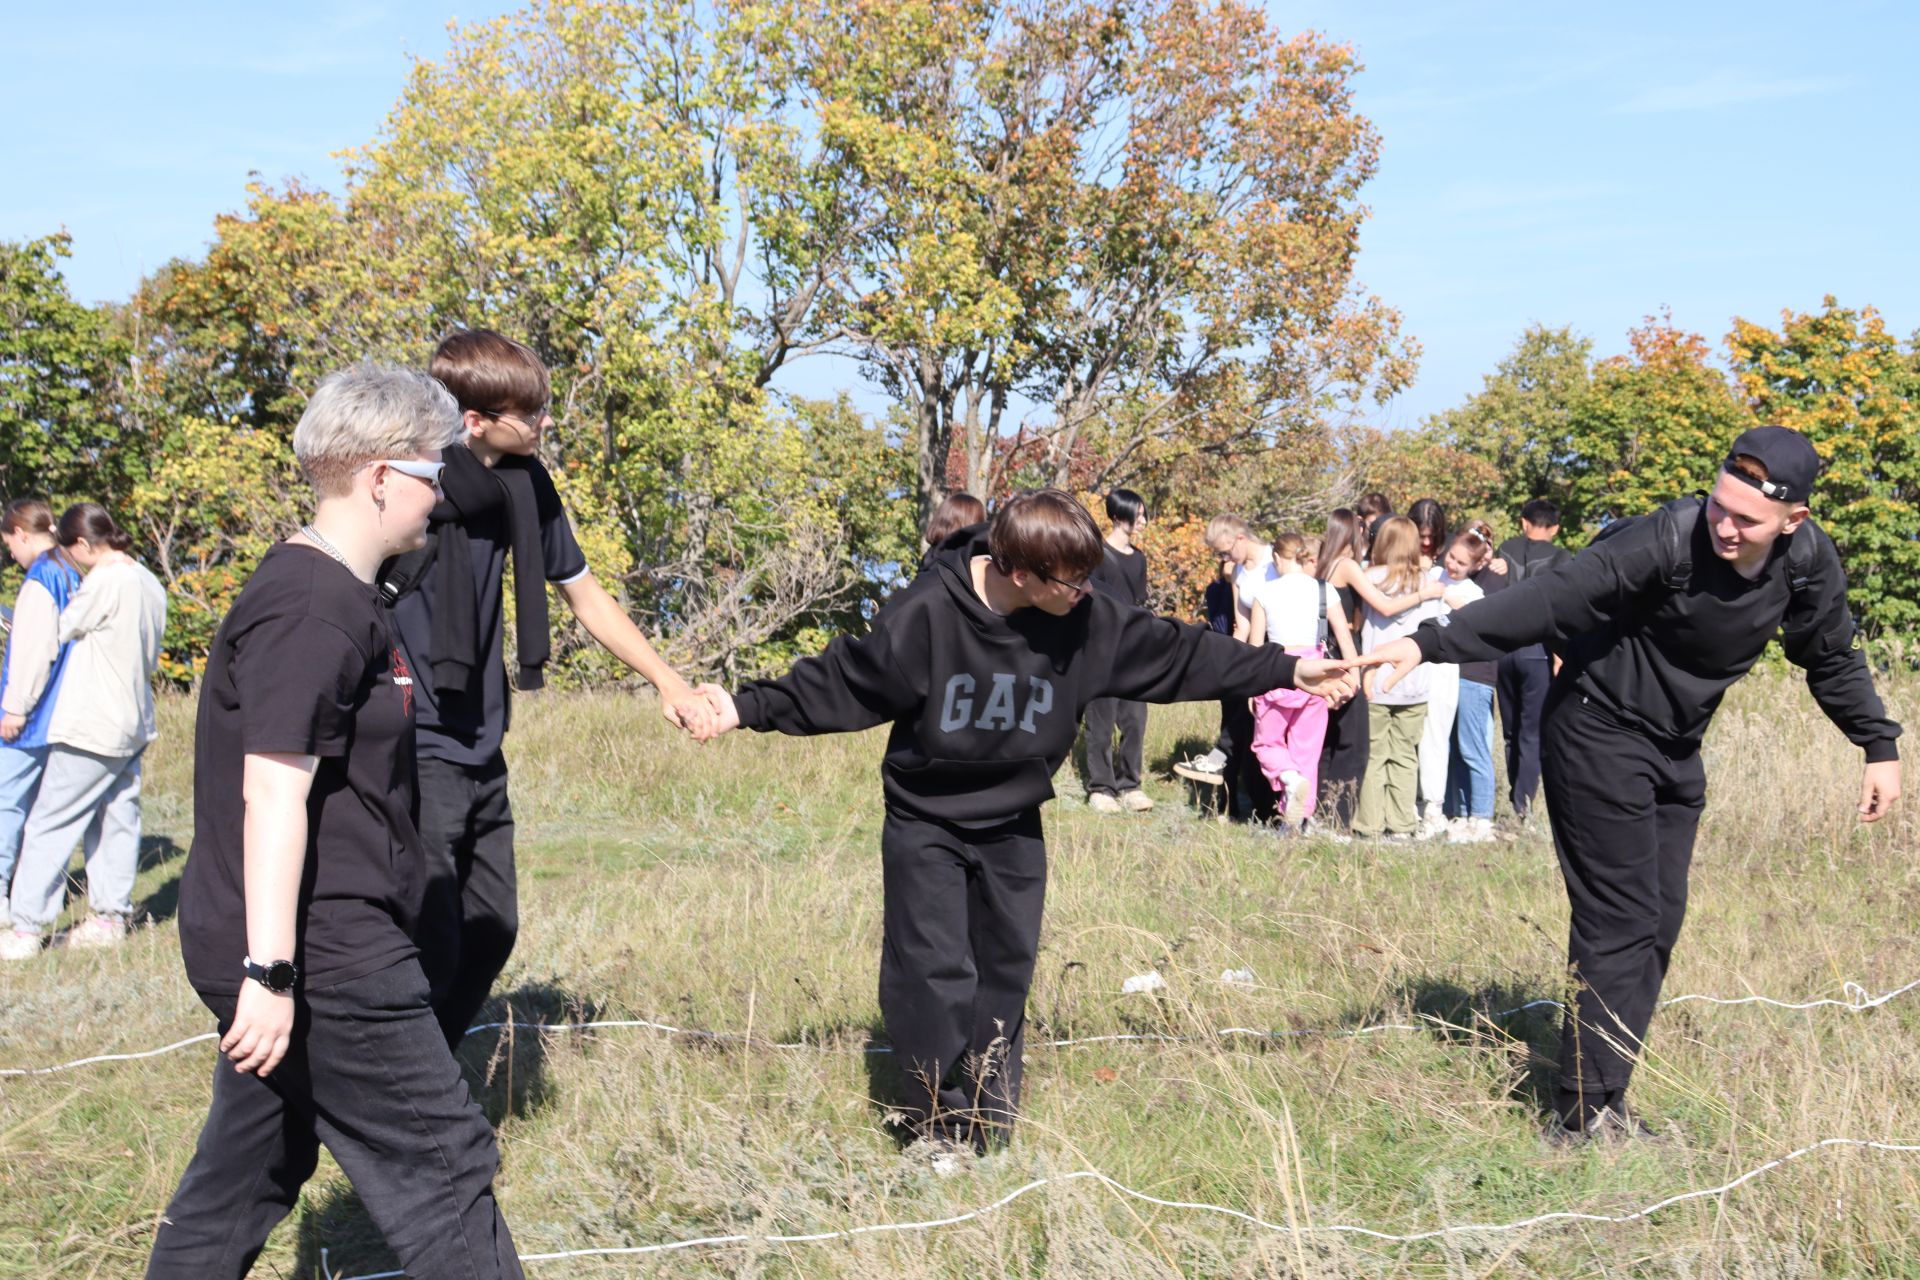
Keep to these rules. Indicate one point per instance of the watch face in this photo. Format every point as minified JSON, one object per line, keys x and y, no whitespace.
{"x":281,"y":975}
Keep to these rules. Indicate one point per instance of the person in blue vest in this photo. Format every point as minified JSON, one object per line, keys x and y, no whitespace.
{"x":30,"y":676}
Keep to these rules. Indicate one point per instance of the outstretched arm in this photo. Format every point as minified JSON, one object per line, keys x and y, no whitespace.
{"x":855,"y":683}
{"x":1156,"y":659}
{"x":1348,"y":574}
{"x":609,"y":624}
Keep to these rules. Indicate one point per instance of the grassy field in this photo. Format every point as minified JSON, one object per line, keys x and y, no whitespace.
{"x":736,"y":887}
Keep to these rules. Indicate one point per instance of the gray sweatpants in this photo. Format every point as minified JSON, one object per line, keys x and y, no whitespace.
{"x":84,"y":799}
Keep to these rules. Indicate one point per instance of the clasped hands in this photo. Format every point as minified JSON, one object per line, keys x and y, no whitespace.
{"x":705,"y":710}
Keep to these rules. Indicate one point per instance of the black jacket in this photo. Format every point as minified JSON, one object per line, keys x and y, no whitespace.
{"x":984,"y":707}
{"x":1660,"y":659}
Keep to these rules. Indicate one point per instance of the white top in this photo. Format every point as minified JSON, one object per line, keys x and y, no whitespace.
{"x":1291,"y":603}
{"x":1380,"y":629}
{"x":115,"y":620}
{"x":1246,"y":578}
{"x":1466,"y":589}
{"x":33,"y":650}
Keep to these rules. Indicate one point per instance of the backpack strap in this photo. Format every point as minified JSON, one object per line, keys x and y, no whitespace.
{"x":1677,"y":519}
{"x":402,"y":573}
{"x":1321,"y":635}
{"x":1801,"y":554}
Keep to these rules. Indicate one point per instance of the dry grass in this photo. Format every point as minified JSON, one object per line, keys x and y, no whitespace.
{"x":736,"y":887}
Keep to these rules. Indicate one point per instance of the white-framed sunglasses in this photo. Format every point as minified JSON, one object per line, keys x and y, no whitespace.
{"x":427,"y":471}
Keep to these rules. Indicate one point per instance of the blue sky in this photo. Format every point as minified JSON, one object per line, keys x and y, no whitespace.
{"x":1582,"y":165}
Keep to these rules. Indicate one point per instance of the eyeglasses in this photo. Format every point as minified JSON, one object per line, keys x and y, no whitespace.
{"x":533,"y":419}
{"x":427,"y":471}
{"x":1083,"y":588}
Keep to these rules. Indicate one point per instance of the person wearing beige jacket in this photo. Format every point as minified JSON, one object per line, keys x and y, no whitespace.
{"x":102,"y":722}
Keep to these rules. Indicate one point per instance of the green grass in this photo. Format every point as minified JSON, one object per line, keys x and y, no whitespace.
{"x":736,"y":887}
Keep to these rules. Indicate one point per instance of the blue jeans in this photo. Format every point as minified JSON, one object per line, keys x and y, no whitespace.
{"x":1470,"y":754}
{"x":20,"y":770}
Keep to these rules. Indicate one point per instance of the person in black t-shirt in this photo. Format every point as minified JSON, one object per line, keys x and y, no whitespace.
{"x":449,"y":618}
{"x":985,"y":664}
{"x":1658,"y":618}
{"x":1521,"y":677}
{"x":1113,"y":773}
{"x":304,"y":879}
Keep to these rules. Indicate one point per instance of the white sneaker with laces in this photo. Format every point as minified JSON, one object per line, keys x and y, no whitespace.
{"x":1101,"y":802}
{"x":1206,"y":768}
{"x":18,"y":945}
{"x":1295,"y":810}
{"x":97,"y":932}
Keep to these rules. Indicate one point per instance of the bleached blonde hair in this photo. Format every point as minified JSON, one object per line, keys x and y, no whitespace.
{"x":370,"y":411}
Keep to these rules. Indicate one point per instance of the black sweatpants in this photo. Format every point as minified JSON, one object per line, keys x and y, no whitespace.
{"x":470,"y":914}
{"x":1624,"y":810}
{"x":1115,"y":770}
{"x":1343,"y":761}
{"x":1250,"y":796}
{"x":368,"y":1075}
{"x":961,"y":930}
{"x":1521,"y":681}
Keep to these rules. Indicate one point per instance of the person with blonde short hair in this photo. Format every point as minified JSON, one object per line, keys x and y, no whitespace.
{"x":304,"y":881}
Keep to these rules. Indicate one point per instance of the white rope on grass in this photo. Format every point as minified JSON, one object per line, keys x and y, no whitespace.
{"x":1856,"y":1001}
{"x":1195,"y":1206}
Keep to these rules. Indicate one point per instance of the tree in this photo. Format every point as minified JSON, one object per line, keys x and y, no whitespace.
{"x":1093,"y":213}
{"x":59,"y":367}
{"x":1653,"y":425}
{"x":1853,"y":389}
{"x":1521,"y":420}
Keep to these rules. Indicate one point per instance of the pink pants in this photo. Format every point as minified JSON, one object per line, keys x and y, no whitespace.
{"x":1289,"y":728}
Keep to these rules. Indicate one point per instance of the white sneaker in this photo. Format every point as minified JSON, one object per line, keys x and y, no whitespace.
{"x":16,"y":944}
{"x":1471,"y":831}
{"x":97,"y":932}
{"x":1433,"y":824}
{"x":1207,"y":768}
{"x":1295,"y":810}
{"x":1135,"y":801}
{"x":1101,"y":802}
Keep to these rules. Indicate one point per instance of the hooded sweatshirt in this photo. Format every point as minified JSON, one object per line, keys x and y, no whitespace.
{"x":1660,"y":660}
{"x":985,"y":707}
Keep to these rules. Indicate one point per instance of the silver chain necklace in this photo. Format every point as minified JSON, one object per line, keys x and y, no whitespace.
{"x":312,"y":535}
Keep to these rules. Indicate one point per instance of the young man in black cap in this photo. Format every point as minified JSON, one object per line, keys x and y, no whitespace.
{"x":1658,"y":618}
{"x":985,"y":664}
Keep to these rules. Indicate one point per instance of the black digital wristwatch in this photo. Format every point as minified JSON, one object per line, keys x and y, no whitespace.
{"x":277,"y":976}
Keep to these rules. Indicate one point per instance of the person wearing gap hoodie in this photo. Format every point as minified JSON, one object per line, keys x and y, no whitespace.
{"x":985,"y":664}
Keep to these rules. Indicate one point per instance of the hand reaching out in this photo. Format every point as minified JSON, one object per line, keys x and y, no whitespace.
{"x":1398,"y":656}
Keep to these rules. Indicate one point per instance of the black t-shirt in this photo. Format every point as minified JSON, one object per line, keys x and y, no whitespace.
{"x":304,"y":665}
{"x":1123,"y":575}
{"x":1528,"y":558}
{"x":459,"y":731}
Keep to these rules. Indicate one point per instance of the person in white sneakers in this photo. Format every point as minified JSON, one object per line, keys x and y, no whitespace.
{"x":1113,"y":771}
{"x":1304,"y":616}
{"x":101,"y":724}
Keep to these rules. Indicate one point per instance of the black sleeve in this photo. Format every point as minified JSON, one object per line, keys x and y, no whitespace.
{"x":1576,"y":597}
{"x":298,"y":680}
{"x":562,"y":559}
{"x":1819,"y":637}
{"x":1159,"y":660}
{"x":855,"y":684}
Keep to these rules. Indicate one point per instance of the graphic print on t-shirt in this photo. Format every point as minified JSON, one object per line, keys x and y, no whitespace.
{"x":403,"y":678}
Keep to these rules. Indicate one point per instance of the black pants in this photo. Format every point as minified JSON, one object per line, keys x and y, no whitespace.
{"x":1520,"y":684}
{"x":1249,"y":795}
{"x":369,"y":1076}
{"x":471,"y":912}
{"x":962,"y":927}
{"x":1343,"y":762}
{"x":1624,"y":810}
{"x":1115,"y":770}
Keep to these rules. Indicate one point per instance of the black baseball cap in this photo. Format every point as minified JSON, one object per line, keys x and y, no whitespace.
{"x":1792,"y":465}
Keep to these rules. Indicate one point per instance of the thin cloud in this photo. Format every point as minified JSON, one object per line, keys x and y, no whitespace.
{"x":1725,"y":89}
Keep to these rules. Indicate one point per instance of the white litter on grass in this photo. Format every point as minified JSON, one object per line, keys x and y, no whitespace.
{"x":1140,"y":983}
{"x":1196,"y":1206}
{"x":1238,"y":977}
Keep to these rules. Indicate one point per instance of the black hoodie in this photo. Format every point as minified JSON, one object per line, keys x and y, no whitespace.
{"x":985,"y":707}
{"x":1660,"y":659}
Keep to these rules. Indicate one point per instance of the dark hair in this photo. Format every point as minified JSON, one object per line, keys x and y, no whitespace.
{"x":490,"y":373}
{"x":27,"y":515}
{"x":1346,"y":537}
{"x":1045,"y":531}
{"x":90,"y":520}
{"x":956,"y":512}
{"x":1372,"y":506}
{"x":1749,"y":466}
{"x":1430,"y":518}
{"x":1124,"y":505}
{"x":1541,"y":513}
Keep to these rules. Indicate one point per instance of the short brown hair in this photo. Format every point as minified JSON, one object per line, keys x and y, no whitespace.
{"x":1289,"y":546}
{"x":956,"y":512}
{"x":27,"y":515}
{"x":490,"y":373}
{"x":1045,"y":531}
{"x":1749,"y":466}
